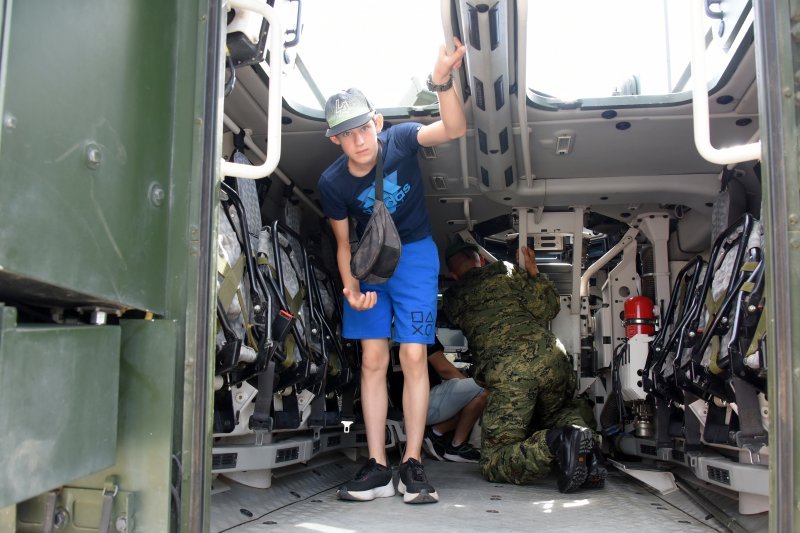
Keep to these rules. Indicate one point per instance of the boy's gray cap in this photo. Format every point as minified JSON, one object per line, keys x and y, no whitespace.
{"x":346,"y":110}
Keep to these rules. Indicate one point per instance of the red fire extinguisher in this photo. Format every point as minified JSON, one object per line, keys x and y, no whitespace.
{"x":639,"y":316}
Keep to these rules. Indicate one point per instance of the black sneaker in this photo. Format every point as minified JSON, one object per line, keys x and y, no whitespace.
{"x":370,"y":482}
{"x":463,"y":453}
{"x":571,"y":446}
{"x":413,"y":484}
{"x":433,"y":444}
{"x":597,"y":472}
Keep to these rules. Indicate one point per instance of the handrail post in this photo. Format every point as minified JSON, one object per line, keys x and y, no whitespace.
{"x":274,"y":102}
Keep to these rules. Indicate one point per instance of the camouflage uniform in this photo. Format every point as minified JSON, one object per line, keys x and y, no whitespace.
{"x":503,"y":312}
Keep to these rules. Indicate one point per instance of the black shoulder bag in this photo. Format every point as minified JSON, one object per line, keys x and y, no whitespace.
{"x":377,"y":253}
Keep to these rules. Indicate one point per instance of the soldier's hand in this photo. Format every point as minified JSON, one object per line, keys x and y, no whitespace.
{"x":361,"y":301}
{"x":528,"y":257}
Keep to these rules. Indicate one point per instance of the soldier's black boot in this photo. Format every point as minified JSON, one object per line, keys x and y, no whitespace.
{"x":570,"y":446}
{"x":597,"y":472}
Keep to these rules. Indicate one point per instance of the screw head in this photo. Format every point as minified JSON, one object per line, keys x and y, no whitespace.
{"x":156,"y":194}
{"x":94,"y":156}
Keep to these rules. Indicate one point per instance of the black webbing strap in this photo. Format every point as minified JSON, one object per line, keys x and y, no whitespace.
{"x":348,"y":399}
{"x":260,"y":420}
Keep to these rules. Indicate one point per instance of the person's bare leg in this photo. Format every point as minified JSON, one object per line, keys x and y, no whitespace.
{"x":468,"y":416}
{"x":374,"y":395}
{"x":416,"y":390}
{"x":448,"y":425}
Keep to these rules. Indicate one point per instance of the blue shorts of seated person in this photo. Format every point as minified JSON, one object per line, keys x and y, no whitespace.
{"x":409,"y":297}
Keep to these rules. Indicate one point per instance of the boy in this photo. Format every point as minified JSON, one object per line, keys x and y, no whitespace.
{"x":408,"y":299}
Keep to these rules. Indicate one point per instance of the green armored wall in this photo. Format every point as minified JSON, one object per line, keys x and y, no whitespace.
{"x":107,"y":163}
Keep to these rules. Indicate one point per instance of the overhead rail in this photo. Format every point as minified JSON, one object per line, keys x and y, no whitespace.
{"x":448,"y":33}
{"x":273,"y":154}
{"x":700,"y":114}
{"x":248,"y":141}
{"x":522,"y":88}
{"x":485,"y":32}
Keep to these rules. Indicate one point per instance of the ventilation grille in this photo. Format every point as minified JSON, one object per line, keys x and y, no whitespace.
{"x":480,"y":98}
{"x":646,"y":449}
{"x":428,"y":152}
{"x":438,"y":182}
{"x":224,"y":461}
{"x":334,"y":441}
{"x":499,"y":96}
{"x":287,"y":454}
{"x":720,"y":475}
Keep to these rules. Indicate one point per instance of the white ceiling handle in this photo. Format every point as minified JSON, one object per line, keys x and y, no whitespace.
{"x":273,"y":104}
{"x":702,"y":133}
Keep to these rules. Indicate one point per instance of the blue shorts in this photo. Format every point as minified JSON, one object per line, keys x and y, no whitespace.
{"x":449,"y":397}
{"x":409,"y":297}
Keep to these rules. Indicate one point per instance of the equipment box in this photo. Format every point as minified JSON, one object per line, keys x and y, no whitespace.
{"x":59,"y":388}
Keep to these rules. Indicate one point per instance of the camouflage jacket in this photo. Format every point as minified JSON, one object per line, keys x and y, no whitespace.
{"x":500,"y":304}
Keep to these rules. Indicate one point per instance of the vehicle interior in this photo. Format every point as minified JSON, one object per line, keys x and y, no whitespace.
{"x":620,"y":140}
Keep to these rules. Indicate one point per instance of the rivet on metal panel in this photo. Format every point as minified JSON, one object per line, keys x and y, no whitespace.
{"x":156,"y":194}
{"x":93,"y":156}
{"x":793,"y":219}
{"x":10,"y":121}
{"x":198,"y":121}
{"x":60,"y":518}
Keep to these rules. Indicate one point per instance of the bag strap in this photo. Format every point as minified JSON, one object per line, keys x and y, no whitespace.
{"x":379,"y":175}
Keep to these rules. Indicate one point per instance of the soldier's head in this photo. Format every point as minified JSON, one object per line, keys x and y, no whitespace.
{"x":461,"y":257}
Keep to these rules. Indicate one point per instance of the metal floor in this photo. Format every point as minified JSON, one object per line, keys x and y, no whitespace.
{"x":306,"y":501}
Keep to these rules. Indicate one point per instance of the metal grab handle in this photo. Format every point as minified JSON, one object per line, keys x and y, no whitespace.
{"x":274,"y":103}
{"x":296,"y":31}
{"x":700,"y":115}
{"x":714,"y":14}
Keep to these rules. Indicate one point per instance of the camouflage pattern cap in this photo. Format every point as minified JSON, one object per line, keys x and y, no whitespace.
{"x":346,"y":110}
{"x":459,"y":246}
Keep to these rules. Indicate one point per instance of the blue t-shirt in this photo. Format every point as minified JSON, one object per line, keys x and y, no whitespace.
{"x":345,"y":195}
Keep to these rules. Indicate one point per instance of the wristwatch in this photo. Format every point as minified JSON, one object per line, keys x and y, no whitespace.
{"x":439,"y":88}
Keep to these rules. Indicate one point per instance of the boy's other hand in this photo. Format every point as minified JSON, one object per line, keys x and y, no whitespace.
{"x":360,"y":301}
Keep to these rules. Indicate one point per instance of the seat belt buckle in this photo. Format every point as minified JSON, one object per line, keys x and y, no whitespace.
{"x":260,"y":424}
{"x":347,"y":424}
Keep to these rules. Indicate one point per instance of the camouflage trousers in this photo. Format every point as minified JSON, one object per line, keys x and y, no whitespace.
{"x":528,"y":396}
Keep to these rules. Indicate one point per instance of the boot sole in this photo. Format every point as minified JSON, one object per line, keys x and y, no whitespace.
{"x":596,"y":478}
{"x":571,"y":481}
